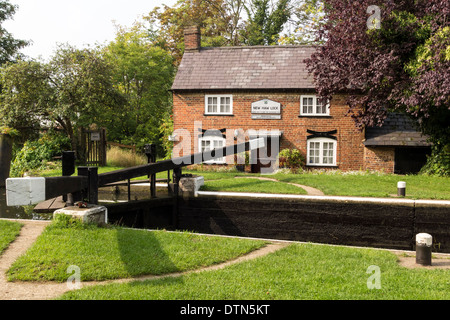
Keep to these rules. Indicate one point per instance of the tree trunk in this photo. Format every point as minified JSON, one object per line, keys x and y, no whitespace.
{"x":5,"y":158}
{"x":76,"y":139}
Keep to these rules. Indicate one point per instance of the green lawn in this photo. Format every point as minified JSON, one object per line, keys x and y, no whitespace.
{"x":114,"y":252}
{"x":359,"y":184}
{"x":58,"y":172}
{"x":250,"y":185}
{"x":373,"y":185}
{"x":9,"y":230}
{"x":300,"y":271}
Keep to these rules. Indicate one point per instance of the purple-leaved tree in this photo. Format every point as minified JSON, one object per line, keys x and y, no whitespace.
{"x":399,"y":62}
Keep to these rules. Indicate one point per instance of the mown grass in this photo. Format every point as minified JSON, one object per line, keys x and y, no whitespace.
{"x":115,"y":252}
{"x":9,"y":230}
{"x":298,"y":272}
{"x":372,"y":184}
{"x":58,"y":172}
{"x":251,"y":185}
{"x":337,"y":183}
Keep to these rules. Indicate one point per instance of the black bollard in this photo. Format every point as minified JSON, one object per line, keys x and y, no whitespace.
{"x":401,"y":188}
{"x":423,"y":249}
{"x":68,"y":169}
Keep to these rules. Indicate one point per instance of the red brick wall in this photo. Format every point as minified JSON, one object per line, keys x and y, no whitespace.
{"x":190,"y":107}
{"x":380,"y":159}
{"x":192,"y":38}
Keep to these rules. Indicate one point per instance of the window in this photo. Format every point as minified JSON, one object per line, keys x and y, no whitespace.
{"x":212,"y":142}
{"x":219,"y":104}
{"x":313,"y":106}
{"x":321,"y":152}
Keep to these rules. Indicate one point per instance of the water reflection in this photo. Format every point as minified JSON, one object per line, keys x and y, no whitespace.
{"x":106,"y":195}
{"x":22,"y":212}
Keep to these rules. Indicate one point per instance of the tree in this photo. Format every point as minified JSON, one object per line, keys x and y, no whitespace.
{"x":143,"y":73}
{"x":9,"y":51}
{"x":307,"y":19}
{"x":211,"y":16}
{"x":265,"y":23}
{"x":400,"y":65}
{"x":222,"y":23}
{"x":25,"y":94}
{"x":232,"y":11}
{"x":71,"y":91}
{"x":9,"y":45}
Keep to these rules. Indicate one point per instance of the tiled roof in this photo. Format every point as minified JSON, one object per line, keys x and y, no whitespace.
{"x":256,"y":67}
{"x":397,"y":130}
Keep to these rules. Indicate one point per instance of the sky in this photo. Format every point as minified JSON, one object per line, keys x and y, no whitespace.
{"x":79,"y":23}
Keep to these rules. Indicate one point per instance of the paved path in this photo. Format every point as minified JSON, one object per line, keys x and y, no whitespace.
{"x":311,"y":191}
{"x":49,"y":290}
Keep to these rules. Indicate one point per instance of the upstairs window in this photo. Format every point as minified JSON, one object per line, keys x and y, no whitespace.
{"x":321,"y":152}
{"x":218,"y":104}
{"x":311,"y":105}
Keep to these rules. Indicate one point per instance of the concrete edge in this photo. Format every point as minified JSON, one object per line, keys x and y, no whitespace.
{"x":411,"y":202}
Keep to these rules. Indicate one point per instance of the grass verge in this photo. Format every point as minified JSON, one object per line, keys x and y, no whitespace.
{"x":336,"y":183}
{"x":372,"y":184}
{"x":114,"y":252}
{"x":251,"y":185}
{"x":298,"y":272}
{"x":9,"y":230}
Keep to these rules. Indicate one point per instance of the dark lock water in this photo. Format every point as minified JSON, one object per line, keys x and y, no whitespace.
{"x":19,"y":212}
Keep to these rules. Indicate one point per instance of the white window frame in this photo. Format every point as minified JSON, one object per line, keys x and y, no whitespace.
{"x":219,"y":97}
{"x":322,"y":153}
{"x":314,"y":107}
{"x":212,"y":139}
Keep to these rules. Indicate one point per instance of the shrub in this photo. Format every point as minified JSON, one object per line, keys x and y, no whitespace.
{"x":438,"y":163}
{"x":36,"y":153}
{"x":291,"y":159}
{"x":166,"y":129}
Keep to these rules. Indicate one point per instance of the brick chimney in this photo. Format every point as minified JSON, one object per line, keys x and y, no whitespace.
{"x":192,"y":38}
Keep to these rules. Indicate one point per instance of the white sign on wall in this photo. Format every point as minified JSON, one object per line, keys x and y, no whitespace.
{"x":266,"y":106}
{"x":95,"y":136}
{"x":266,"y":116}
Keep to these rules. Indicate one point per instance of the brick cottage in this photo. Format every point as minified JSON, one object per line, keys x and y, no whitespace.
{"x":221,"y":93}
